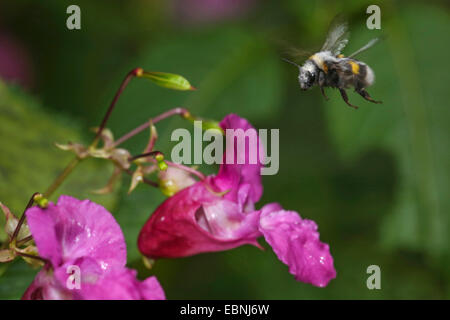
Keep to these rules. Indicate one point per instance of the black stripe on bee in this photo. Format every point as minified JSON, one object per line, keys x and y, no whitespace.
{"x":352,"y":73}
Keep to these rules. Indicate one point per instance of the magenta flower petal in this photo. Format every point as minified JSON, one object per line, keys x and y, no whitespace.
{"x":51,"y":283}
{"x":296,"y":243}
{"x":225,"y":220}
{"x":46,"y":287}
{"x":115,"y":284}
{"x":43,"y":229}
{"x":121,"y":284}
{"x":72,"y":229}
{"x":270,"y":207}
{"x":194,"y":221}
{"x":151,"y":289}
{"x":90,"y":271}
{"x":248,"y":171}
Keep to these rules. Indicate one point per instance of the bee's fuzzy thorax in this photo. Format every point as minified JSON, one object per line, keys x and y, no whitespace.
{"x":320,"y":59}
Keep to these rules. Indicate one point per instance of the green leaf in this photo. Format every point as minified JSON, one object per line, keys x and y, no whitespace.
{"x":15,"y":277}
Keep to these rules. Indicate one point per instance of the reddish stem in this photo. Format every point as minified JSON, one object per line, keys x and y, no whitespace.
{"x":33,"y":257}
{"x":23,"y":241}
{"x":176,"y":111}
{"x":145,"y":155}
{"x":129,"y":76}
{"x":22,"y":218}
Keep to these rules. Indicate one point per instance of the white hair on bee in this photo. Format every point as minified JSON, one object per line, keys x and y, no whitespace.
{"x":370,"y":76}
{"x":320,"y":57}
{"x":309,"y":66}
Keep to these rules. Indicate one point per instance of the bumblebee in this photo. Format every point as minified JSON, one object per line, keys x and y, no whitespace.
{"x":329,"y":68}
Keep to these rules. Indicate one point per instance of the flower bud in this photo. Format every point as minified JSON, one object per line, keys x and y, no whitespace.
{"x":173,"y":180}
{"x":167,"y":80}
{"x":41,"y":201}
{"x":160,"y":160}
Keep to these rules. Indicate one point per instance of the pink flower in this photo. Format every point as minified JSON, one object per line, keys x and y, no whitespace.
{"x":83,"y":235}
{"x":200,"y":219}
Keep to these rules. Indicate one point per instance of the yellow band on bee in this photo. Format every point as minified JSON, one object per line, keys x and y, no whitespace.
{"x":319,"y":62}
{"x":355,"y":67}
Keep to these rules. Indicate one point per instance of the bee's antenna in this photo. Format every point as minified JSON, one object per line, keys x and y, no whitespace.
{"x":291,"y":62}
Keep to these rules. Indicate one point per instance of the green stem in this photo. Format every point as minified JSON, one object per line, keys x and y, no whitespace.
{"x":60,"y":179}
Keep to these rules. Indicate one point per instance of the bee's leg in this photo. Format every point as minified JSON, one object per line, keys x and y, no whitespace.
{"x":323,"y":93}
{"x":321,"y":83}
{"x":345,"y":98}
{"x":366,"y":96}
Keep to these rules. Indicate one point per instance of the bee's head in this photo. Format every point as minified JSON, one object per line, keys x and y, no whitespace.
{"x":307,"y":76}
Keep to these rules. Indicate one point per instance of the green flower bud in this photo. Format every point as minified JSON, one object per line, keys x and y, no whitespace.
{"x":167,"y":80}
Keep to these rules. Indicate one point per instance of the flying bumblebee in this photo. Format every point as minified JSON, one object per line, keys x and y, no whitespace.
{"x":329,"y":68}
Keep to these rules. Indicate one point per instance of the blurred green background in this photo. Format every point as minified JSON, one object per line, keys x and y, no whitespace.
{"x":376,"y":180}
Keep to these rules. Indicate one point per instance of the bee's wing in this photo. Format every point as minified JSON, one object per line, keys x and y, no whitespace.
{"x":364,"y":48}
{"x":295,"y":54}
{"x":298,"y":54}
{"x":337,"y":37}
